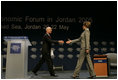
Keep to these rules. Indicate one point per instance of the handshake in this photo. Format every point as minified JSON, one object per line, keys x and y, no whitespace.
{"x":67,"y":42}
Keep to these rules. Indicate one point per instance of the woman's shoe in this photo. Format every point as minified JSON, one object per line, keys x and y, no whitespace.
{"x":74,"y":77}
{"x":92,"y":77}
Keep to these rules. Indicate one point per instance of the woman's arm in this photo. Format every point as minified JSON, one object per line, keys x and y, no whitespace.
{"x":87,"y":39}
{"x":76,"y":40}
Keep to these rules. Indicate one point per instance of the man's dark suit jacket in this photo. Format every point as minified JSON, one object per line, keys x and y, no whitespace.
{"x":46,"y":47}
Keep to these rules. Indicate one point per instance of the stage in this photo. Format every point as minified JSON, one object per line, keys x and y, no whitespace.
{"x":65,"y":75}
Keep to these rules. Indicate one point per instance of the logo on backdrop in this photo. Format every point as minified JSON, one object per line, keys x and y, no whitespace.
{"x":15,"y":48}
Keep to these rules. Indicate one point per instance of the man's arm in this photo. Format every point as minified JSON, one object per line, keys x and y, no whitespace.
{"x":53,"y":41}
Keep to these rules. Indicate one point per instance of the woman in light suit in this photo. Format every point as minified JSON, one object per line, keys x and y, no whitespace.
{"x":84,"y":52}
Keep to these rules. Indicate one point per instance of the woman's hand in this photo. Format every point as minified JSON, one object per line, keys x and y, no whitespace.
{"x":87,"y":51}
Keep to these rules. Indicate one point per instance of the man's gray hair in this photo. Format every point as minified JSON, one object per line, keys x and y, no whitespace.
{"x":48,"y":28}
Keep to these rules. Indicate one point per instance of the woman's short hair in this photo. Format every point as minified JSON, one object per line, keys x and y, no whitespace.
{"x":87,"y":24}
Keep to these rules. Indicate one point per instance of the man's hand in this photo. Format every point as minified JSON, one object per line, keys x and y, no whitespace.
{"x":87,"y":51}
{"x":61,"y":41}
{"x":68,"y":42}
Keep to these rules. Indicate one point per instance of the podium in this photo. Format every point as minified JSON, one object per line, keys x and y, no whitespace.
{"x":100,"y":65}
{"x":17,"y":57}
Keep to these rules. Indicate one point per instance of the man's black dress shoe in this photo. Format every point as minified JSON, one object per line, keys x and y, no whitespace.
{"x":35,"y":73}
{"x":54,"y":75}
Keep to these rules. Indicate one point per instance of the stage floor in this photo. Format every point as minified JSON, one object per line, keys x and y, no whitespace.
{"x":64,"y":75}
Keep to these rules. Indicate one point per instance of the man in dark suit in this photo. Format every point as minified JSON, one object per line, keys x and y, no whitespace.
{"x":46,"y":53}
